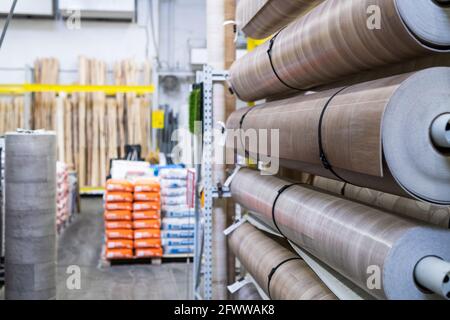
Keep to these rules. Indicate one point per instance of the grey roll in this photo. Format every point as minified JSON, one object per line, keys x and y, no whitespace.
{"x":427,"y":19}
{"x":30,"y":205}
{"x":2,"y":193}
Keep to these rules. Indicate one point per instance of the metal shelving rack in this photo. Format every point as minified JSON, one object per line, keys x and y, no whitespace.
{"x":203,"y":244}
{"x":339,"y":285}
{"x":203,"y":258}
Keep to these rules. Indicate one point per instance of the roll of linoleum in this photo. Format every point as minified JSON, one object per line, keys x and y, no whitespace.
{"x":338,"y":39}
{"x":292,"y":278}
{"x":426,"y":212}
{"x":375,"y":134}
{"x":376,"y":250}
{"x":30,"y":180}
{"x":259,"y":19}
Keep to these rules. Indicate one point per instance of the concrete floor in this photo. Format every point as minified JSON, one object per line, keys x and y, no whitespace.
{"x":80,"y":244}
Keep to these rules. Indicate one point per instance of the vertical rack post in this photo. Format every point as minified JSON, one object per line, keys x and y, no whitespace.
{"x":207,"y":77}
{"x":208,"y":178}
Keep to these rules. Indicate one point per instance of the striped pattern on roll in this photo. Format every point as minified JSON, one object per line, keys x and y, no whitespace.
{"x":374,"y":134}
{"x":259,"y":254}
{"x":352,"y":238}
{"x":426,"y":212}
{"x":30,"y":182}
{"x":259,"y":19}
{"x":333,"y":41}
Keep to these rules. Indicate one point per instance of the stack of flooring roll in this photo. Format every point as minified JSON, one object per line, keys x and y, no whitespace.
{"x":291,"y":278}
{"x":375,"y":134}
{"x":259,"y":19}
{"x":433,"y":214}
{"x":30,"y":180}
{"x":350,"y":237}
{"x":303,"y":57}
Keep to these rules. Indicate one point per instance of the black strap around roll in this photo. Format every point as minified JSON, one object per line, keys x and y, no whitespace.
{"x":282,"y":189}
{"x":323,"y":158}
{"x":247,"y":154}
{"x":272,"y":272}
{"x":269,"y":53}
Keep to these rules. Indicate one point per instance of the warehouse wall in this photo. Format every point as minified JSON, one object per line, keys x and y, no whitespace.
{"x":182,"y":24}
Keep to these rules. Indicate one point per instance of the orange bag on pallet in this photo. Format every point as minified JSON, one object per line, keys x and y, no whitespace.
{"x":119,"y":197}
{"x":118,"y":225}
{"x":119,"y":234}
{"x":118,"y":206}
{"x":149,"y":253}
{"x":119,"y":254}
{"x":119,"y":244}
{"x":147,"y":185}
{"x":147,"y":234}
{"x":147,"y":196}
{"x":119,"y":185}
{"x":146,"y":215}
{"x":146,"y":206}
{"x":148,"y":243}
{"x":147,"y":224}
{"x":118,"y":215}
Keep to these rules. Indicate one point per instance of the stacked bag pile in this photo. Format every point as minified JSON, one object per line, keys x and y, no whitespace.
{"x":118,"y":219}
{"x":62,"y":195}
{"x":147,"y":219}
{"x":178,"y":219}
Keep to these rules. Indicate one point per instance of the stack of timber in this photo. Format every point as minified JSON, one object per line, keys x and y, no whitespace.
{"x":11,"y":114}
{"x":46,"y":71}
{"x":93,"y":128}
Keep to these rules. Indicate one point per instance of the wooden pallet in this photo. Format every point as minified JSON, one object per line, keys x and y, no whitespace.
{"x":105,"y":263}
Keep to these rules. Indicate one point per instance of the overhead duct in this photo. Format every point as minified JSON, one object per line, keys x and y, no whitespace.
{"x":376,"y":250}
{"x":259,"y":19}
{"x":264,"y":258}
{"x":375,"y":134}
{"x":376,"y":33}
{"x":30,"y":181}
